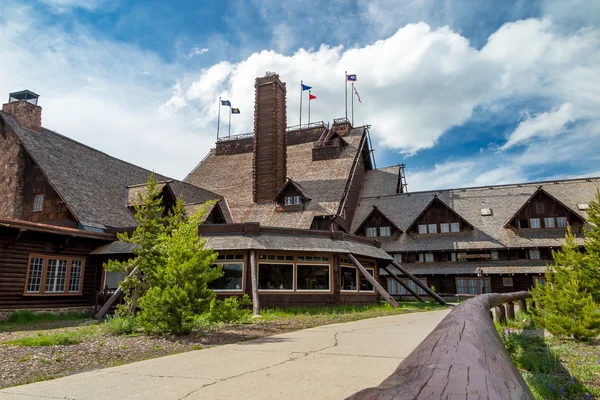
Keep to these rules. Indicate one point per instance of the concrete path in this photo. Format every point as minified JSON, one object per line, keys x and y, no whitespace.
{"x":327,"y":362}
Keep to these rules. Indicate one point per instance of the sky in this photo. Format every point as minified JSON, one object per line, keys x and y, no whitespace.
{"x":464,"y":92}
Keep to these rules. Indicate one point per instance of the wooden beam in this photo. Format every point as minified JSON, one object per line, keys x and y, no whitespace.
{"x":254,"y":279}
{"x":373,"y":282}
{"x":112,"y":298}
{"x":404,"y":285}
{"x":418,"y":283}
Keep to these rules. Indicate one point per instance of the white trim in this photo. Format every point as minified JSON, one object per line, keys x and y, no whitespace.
{"x":242,"y":261}
{"x":312,"y":290}
{"x":293,"y":264}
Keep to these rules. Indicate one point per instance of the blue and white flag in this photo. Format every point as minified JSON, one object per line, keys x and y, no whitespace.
{"x":225,"y":103}
{"x":351,"y":78}
{"x":305,"y":87}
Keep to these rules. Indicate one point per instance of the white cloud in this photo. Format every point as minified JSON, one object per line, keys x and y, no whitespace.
{"x":196,"y":51}
{"x":66,"y":5}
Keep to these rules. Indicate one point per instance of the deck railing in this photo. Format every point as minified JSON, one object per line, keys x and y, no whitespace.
{"x":235,"y":137}
{"x":463,"y":357}
{"x":317,"y":124}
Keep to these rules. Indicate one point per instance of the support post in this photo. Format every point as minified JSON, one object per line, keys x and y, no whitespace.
{"x":500,"y":313}
{"x":522,"y":306}
{"x":373,"y":282}
{"x":346,"y":94}
{"x":352,"y":95}
{"x":301,"y":90}
{"x":510,"y":310}
{"x":230,"y":111}
{"x":219,"y":118}
{"x":419,"y":283}
{"x":254,"y":278}
{"x":404,"y":285}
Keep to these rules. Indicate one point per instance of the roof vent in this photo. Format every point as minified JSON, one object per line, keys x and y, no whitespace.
{"x":583,"y":206}
{"x":26,"y":95}
{"x":486,"y":212}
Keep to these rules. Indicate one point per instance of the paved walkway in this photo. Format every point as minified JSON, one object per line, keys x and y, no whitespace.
{"x":327,"y":362}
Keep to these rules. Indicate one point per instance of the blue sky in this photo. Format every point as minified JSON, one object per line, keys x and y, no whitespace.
{"x":464,"y":92}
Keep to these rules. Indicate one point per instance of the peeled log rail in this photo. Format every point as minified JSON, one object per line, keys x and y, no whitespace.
{"x":463,"y":357}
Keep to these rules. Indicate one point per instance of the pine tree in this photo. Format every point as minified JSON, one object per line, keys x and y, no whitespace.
{"x":567,"y":305}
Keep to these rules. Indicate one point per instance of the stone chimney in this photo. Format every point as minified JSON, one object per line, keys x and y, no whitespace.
{"x":269,"y":158}
{"x":23,"y":107}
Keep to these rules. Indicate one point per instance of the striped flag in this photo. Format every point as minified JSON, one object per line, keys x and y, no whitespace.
{"x":357,"y":95}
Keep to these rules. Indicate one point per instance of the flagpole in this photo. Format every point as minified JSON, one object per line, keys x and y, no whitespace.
{"x":218,"y":118}
{"x":230,"y":111}
{"x":301,"y":104}
{"x":309,"y":107}
{"x":352,"y":94}
{"x":346,"y":83}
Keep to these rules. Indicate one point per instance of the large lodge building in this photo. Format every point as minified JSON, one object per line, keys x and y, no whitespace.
{"x":298,"y":206}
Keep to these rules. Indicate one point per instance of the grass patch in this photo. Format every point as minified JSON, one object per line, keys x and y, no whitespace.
{"x":25,"y":318}
{"x":56,"y":339}
{"x":364,"y":311}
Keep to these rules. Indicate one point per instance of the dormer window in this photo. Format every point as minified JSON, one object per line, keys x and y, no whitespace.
{"x":291,"y":197}
{"x":292,"y":201}
{"x":561,"y":222}
{"x":371,"y":232}
{"x":38,"y":203}
{"x":550,"y":222}
{"x":376,"y":224}
{"x":438,"y":218}
{"x":534,"y":223}
{"x":385,"y":231}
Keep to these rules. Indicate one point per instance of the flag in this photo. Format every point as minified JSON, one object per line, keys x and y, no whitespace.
{"x":304,"y":87}
{"x":351,"y":78}
{"x":225,"y":103}
{"x":311,"y":96}
{"x":357,"y":95}
{"x":235,"y":110}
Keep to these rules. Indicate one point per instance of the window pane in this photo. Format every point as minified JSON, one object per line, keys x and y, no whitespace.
{"x":468,"y":286}
{"x":422,"y":229}
{"x":384,"y":231}
{"x":397,"y":257}
{"x":549,"y":222}
{"x":276,"y":276}
{"x":38,"y":202}
{"x":312,"y":277}
{"x":432,"y":228}
{"x":371,"y":232}
{"x":392,"y":287}
{"x":75,"y":278}
{"x":494,"y":255}
{"x":534,"y":254}
{"x":428,"y":257}
{"x":445,"y":228}
{"x":455,"y":227}
{"x":232,"y":278}
{"x":534,"y":223}
{"x":561,"y":222}
{"x":421,"y":257}
{"x":34,"y":281}
{"x":486,"y":286}
{"x":56,"y":275}
{"x":348,"y":278}
{"x":365,"y":285}
{"x":453,"y":256}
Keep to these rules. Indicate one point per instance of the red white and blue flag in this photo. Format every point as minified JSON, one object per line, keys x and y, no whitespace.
{"x":351,"y":78}
{"x":357,"y":95}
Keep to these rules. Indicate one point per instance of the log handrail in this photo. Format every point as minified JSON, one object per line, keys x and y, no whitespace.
{"x":463,"y":357}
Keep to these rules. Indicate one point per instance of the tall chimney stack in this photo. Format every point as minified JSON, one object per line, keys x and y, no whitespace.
{"x":23,"y":107}
{"x":269,"y":161}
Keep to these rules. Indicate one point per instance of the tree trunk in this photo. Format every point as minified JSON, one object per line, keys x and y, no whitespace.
{"x":254,"y":278}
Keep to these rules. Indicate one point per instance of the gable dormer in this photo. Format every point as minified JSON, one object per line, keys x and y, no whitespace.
{"x":377,"y":225}
{"x":214,"y":214}
{"x":544,"y":211}
{"x":291,"y":197}
{"x":136,"y":192}
{"x":438,"y":218}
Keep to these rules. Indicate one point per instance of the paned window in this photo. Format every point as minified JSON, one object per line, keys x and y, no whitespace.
{"x":312,"y":277}
{"x":348,"y":278}
{"x":422,"y":229}
{"x":230,"y":257}
{"x":397,"y":257}
{"x":38,"y":203}
{"x":432,"y":228}
{"x":385,"y":231}
{"x":534,"y":223}
{"x":534,"y":254}
{"x":397,"y":289}
{"x":365,"y":285}
{"x":445,"y":228}
{"x":292,"y":200}
{"x":53,"y":275}
{"x":232,"y":279}
{"x":494,"y":254}
{"x":312,"y":258}
{"x":275,"y":276}
{"x":453,"y":256}
{"x":549,"y":222}
{"x":455,"y":227}
{"x":473,"y":285}
{"x":371,"y":232}
{"x":561,"y":222}
{"x":275,"y":257}
{"x":539,"y":280}
{"x":428,"y":257}
{"x":507,"y":281}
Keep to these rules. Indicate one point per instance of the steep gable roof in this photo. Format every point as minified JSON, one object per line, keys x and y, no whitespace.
{"x":433,"y":201}
{"x":91,"y":183}
{"x":290,"y":182}
{"x":376,"y":211}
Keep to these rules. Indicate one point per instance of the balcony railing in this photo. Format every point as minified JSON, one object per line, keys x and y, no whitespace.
{"x":317,"y":124}
{"x":235,"y":137}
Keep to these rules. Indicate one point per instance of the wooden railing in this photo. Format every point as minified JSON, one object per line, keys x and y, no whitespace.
{"x":463,"y":357}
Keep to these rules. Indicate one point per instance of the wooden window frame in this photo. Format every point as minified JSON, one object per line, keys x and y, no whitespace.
{"x":278,"y":262}
{"x":311,"y":264}
{"x":508,"y":281}
{"x":233,"y":291}
{"x":480,"y":285}
{"x":406,"y":282}
{"x":41,"y":196}
{"x":66,"y":292}
{"x":372,"y":229}
{"x":358,"y":291}
{"x":387,"y":228}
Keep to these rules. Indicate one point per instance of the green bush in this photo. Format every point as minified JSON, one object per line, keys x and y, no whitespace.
{"x":124,"y":325}
{"x":232,"y":309}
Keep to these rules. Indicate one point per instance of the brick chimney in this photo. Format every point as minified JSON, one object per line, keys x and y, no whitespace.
{"x":269,"y":158}
{"x":23,"y":107}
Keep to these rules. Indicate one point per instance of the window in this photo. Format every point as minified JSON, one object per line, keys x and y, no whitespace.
{"x":539,"y":280}
{"x":524,"y":223}
{"x":348,"y":278}
{"x":275,"y":257}
{"x":365,"y":285}
{"x":371,"y":232}
{"x":112,"y":279}
{"x":453,"y":256}
{"x":292,"y":200}
{"x":312,"y":277}
{"x":549,"y":222}
{"x":275,"y":276}
{"x":397,"y":257}
{"x":432,"y":228}
{"x":583,"y":206}
{"x":422,"y":229}
{"x":53,"y":275}
{"x":425,"y":257}
{"x":385,"y":231}
{"x":534,"y":223}
{"x":473,"y":285}
{"x":397,"y":289}
{"x":232,"y":279}
{"x":445,"y":228}
{"x":455,"y":227}
{"x":534,"y":254}
{"x":38,"y":203}
{"x":561,"y":222}
{"x":507,"y":281}
{"x":312,"y":258}
{"x":486,"y":212}
{"x":494,"y":254}
{"x":230,"y":257}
